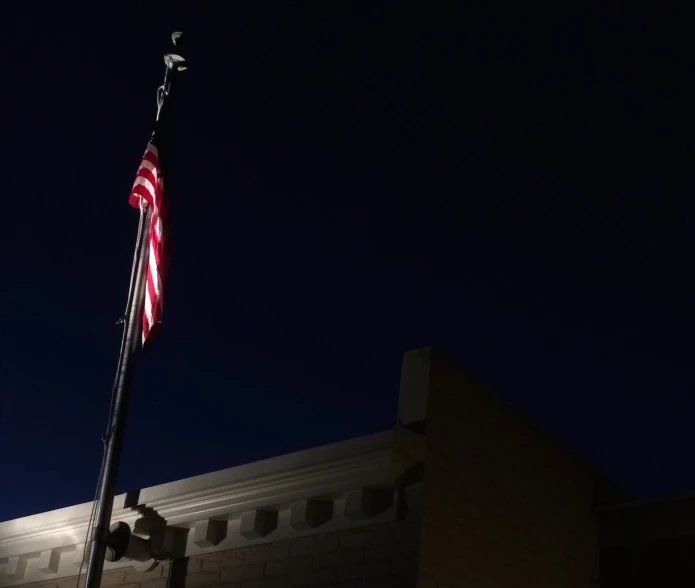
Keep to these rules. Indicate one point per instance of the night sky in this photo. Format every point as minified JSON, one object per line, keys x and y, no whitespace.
{"x":350,"y":180}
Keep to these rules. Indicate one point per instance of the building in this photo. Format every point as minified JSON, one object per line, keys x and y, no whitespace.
{"x":464,"y":491}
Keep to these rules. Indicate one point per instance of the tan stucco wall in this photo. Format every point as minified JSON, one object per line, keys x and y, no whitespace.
{"x":503,"y":504}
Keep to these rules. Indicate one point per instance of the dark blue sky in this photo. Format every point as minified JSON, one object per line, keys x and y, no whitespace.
{"x":350,"y":181}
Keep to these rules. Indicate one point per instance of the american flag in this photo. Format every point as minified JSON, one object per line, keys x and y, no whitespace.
{"x":149,"y":188}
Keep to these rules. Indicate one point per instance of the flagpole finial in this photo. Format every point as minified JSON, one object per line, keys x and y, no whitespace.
{"x":174,"y":64}
{"x":174,"y":61}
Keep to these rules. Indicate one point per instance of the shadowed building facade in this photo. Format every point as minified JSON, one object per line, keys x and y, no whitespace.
{"x":464,"y":491}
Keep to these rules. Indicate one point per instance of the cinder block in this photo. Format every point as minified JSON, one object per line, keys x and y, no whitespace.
{"x":276,"y":582}
{"x":269,"y":552}
{"x":361,"y":571}
{"x":160,"y":583}
{"x":353,"y":539}
{"x":252,"y":572}
{"x":46,"y":584}
{"x":350,"y":555}
{"x":72,"y":582}
{"x":292,"y":565}
{"x":327,"y":542}
{"x":326,"y":560}
{"x":318,"y":544}
{"x":229,"y":559}
{"x":113,"y":578}
{"x":246,"y":572}
{"x":303,"y":546}
{"x":234,"y":574}
{"x":345,"y":555}
{"x":201,"y":579}
{"x":311,"y":578}
{"x":368,"y":536}
{"x":393,"y":581}
{"x":379,"y":551}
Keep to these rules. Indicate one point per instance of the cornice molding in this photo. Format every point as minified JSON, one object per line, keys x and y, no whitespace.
{"x":348,"y":474}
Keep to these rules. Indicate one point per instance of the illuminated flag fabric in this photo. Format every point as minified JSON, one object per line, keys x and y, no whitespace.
{"x":149,"y":188}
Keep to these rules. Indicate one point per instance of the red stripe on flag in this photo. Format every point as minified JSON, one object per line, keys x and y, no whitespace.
{"x":148,"y":186}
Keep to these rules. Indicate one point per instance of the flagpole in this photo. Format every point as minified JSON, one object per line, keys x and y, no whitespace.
{"x":113,"y":440}
{"x":114,"y":437}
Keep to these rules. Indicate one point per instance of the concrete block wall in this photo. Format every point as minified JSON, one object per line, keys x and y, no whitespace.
{"x":503,"y":504}
{"x":370,"y":557}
